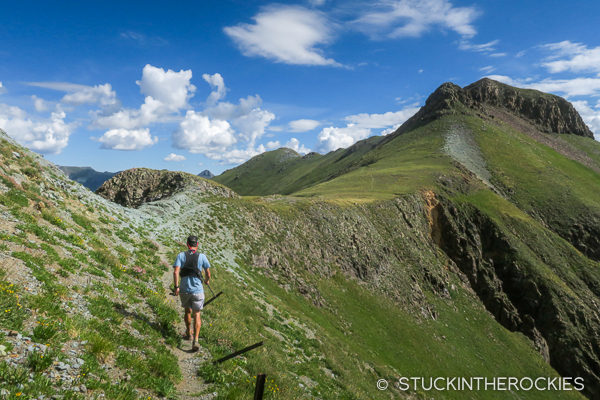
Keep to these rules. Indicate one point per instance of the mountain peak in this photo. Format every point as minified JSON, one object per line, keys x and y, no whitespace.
{"x":550,"y":113}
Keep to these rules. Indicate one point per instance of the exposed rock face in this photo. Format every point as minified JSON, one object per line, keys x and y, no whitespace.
{"x":563,"y":326}
{"x":133,"y":187}
{"x":550,"y":113}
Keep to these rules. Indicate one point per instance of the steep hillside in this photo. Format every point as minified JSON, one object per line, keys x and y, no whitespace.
{"x":88,"y":177}
{"x":440,"y":250}
{"x":486,"y":150}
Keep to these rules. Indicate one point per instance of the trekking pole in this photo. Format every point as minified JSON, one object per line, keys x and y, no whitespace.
{"x":214,"y":295}
{"x":211,"y":291}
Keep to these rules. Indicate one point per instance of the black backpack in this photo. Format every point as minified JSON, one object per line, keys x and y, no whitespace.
{"x":190,"y":268}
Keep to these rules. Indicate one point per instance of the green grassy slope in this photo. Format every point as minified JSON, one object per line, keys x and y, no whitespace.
{"x":283,"y":171}
{"x":87,"y":257}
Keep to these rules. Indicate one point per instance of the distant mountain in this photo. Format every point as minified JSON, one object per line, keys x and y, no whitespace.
{"x":284,"y":171}
{"x":206,"y":174}
{"x":88,"y":177}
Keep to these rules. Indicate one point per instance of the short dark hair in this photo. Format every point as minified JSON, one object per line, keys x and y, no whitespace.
{"x":192,"y":241}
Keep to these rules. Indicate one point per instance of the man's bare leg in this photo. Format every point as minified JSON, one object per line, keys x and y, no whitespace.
{"x":188,"y":322}
{"x":197,"y":325}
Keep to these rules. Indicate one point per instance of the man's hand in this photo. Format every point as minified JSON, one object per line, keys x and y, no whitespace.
{"x":176,"y":291}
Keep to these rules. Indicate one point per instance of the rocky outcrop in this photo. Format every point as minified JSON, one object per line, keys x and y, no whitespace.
{"x":549,"y":113}
{"x":562,"y":322}
{"x":133,"y":187}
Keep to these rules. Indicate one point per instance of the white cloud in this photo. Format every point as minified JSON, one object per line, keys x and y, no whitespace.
{"x":40,"y":105}
{"x":498,"y":54}
{"x":577,"y":57}
{"x":127,"y":139}
{"x":303,"y":125}
{"x":332,"y":138}
{"x":172,"y":89}
{"x":44,"y":135}
{"x":565,"y":87}
{"x":359,"y":127}
{"x":167,"y":93}
{"x":199,"y":134}
{"x":274,"y":144}
{"x":102,"y":95}
{"x":295,"y":145}
{"x":237,"y":156}
{"x":174,"y":157}
{"x":487,"y":69}
{"x":246,"y":117}
{"x":286,"y":34}
{"x":2,"y":88}
{"x":217,"y":85}
{"x":591,"y":116}
{"x":413,"y":18}
{"x":378,"y":121}
{"x":479,"y":48}
{"x":77,"y":94}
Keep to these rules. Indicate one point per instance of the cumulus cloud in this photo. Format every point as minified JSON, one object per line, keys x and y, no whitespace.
{"x":295,"y":145}
{"x":172,"y":89}
{"x":174,"y":157}
{"x":102,"y":95}
{"x":127,"y":139}
{"x":247,"y":117}
{"x":49,"y":135}
{"x":76,"y":94}
{"x":572,"y":57}
{"x":413,"y":18}
{"x":303,"y":125}
{"x":359,"y":127}
{"x":167,"y":93}
{"x":197,"y":133}
{"x":217,"y":85}
{"x":332,"y":138}
{"x":286,"y":34}
{"x":591,"y":116}
{"x":237,"y":156}
{"x":40,"y":105}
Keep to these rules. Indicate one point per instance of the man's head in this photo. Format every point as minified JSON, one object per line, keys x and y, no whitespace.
{"x":192,"y":241}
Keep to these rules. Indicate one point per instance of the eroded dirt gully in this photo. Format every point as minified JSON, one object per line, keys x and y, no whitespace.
{"x":561,"y":321}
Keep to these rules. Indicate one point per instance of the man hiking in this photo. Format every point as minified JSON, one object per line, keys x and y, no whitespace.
{"x":187,"y":279}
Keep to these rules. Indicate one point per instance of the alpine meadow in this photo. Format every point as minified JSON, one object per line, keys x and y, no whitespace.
{"x":464,"y":244}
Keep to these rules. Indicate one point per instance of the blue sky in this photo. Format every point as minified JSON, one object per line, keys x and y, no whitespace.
{"x":207,"y":85}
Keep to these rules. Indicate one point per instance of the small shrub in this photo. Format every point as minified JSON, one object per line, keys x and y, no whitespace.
{"x":40,"y":361}
{"x":100,"y":346}
{"x":45,"y":330}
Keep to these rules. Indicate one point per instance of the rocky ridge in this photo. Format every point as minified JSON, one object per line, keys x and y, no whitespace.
{"x":549,"y":113}
{"x":133,"y":187}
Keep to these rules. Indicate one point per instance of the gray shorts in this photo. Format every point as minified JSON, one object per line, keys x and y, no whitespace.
{"x":195,"y":301}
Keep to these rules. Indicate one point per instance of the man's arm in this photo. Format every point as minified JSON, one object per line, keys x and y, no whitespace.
{"x":176,"y":279}
{"x":207,"y":276}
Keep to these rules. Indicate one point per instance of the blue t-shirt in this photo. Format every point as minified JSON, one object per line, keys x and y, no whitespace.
{"x":191,"y":284}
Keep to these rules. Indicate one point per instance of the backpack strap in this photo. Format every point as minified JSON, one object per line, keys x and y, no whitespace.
{"x":190,"y":267}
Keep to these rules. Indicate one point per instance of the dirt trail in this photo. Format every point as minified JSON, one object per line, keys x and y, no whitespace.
{"x":191,"y":385}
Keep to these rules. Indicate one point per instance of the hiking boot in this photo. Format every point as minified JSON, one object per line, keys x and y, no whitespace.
{"x":187,"y":336}
{"x":195,"y":346}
